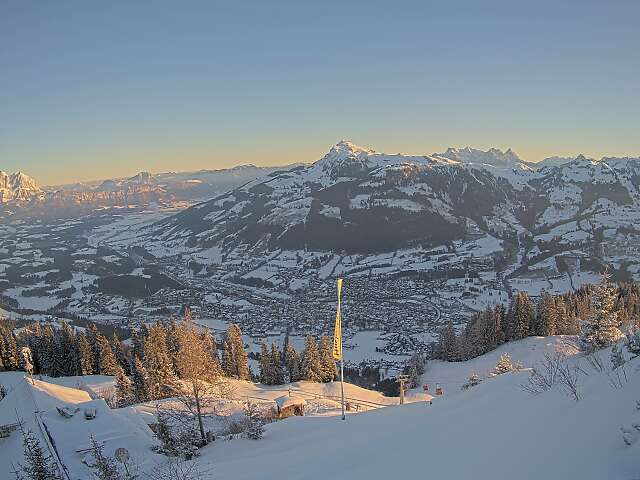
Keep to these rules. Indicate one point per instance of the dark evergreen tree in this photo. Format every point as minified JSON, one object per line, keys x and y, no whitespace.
{"x":66,"y":355}
{"x":546,"y":316}
{"x":9,"y":358}
{"x":140,"y":379}
{"x":120,"y":352}
{"x":38,"y":465}
{"x":447,"y":346}
{"x":266,"y":367}
{"x":234,"y":357}
{"x":292,"y":362}
{"x":161,"y":371}
{"x":107,"y":363}
{"x":310,"y":369}
{"x":328,"y":368}
{"x":276,"y":366}
{"x":85,"y":355}
{"x":124,"y":389}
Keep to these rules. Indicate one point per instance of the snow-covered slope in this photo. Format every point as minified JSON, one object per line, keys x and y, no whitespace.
{"x":114,"y":429}
{"x":494,"y":431}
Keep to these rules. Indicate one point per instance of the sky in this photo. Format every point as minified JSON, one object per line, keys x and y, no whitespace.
{"x":92,"y":90}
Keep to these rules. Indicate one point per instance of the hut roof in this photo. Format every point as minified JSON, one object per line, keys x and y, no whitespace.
{"x":288,"y":401}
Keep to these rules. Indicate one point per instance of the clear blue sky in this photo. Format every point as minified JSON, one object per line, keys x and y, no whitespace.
{"x":99,"y":89}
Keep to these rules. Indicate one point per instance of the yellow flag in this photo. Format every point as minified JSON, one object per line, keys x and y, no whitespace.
{"x":337,"y":332}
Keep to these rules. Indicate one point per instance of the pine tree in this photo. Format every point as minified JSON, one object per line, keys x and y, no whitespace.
{"x":292,"y":363}
{"x":310,"y":369}
{"x":157,"y":362}
{"x":33,"y":342}
{"x":566,"y":324}
{"x":120,"y":353}
{"x":447,"y":346}
{"x":414,"y":369}
{"x":140,"y":379}
{"x":505,"y":365}
{"x":602,"y":327}
{"x":46,"y":352}
{"x":255,"y":428}
{"x":104,"y":467}
{"x":137,"y":343}
{"x":38,"y":465}
{"x":66,"y":355}
{"x":276,"y":366}
{"x":209,"y":345}
{"x":124,"y":389}
{"x":9,"y":358}
{"x":93,"y":336}
{"x":327,"y":364}
{"x":266,"y":367}
{"x":107,"y":363}
{"x":234,"y":357}
{"x":85,"y":355}
{"x":546,"y":316}
{"x":520,"y":318}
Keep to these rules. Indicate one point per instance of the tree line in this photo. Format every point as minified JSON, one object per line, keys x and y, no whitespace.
{"x":597,"y":313}
{"x":150,"y":362}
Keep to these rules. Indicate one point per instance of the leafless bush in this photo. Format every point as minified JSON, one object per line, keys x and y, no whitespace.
{"x":616,"y":379}
{"x":179,"y":469}
{"x":595,"y":362}
{"x":544,"y":376}
{"x":568,"y":376}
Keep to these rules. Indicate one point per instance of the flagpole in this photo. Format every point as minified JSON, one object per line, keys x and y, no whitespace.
{"x":341,"y":356}
{"x":337,"y":345}
{"x":342,"y":385}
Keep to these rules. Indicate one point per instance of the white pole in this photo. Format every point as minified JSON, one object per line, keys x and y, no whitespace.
{"x":341,"y":358}
{"x":342,"y":382}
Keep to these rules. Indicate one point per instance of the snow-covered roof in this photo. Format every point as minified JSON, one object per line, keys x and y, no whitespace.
{"x":289,"y":401}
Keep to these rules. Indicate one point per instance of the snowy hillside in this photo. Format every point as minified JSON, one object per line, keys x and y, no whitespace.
{"x":495,"y":430}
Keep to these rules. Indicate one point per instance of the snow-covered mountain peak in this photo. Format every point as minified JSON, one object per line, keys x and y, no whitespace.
{"x":346,"y":146}
{"x":17,"y":186}
{"x":493,"y":156}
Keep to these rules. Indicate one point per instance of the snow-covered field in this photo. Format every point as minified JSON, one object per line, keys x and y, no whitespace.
{"x":494,"y":430}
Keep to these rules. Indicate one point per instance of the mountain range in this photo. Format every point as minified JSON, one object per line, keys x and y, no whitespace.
{"x":20,"y":194}
{"x":357,"y":200}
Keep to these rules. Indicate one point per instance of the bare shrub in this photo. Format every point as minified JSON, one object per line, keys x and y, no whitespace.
{"x":179,"y":469}
{"x":568,"y":376}
{"x":595,"y":362}
{"x":544,"y":376}
{"x":618,"y":377}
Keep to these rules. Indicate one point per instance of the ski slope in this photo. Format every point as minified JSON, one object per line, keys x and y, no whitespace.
{"x":492,"y":431}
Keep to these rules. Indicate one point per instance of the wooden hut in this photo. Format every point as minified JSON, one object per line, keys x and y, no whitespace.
{"x":288,"y":406}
